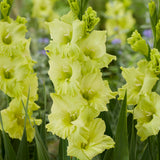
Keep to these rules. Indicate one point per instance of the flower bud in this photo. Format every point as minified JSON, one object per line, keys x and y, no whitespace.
{"x":90,"y":19}
{"x":138,"y":44}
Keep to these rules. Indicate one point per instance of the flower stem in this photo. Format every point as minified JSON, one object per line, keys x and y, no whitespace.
{"x":150,"y":147}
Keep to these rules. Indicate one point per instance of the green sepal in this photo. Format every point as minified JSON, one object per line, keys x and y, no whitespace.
{"x":41,"y":149}
{"x":4,"y":7}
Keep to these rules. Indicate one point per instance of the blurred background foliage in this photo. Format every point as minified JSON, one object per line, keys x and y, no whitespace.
{"x":40,"y":38}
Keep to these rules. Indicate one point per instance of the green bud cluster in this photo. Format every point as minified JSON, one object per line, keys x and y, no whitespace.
{"x":138,"y":44}
{"x":77,"y":53}
{"x":17,"y":76}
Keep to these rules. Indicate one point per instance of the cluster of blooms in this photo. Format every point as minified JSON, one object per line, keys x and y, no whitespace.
{"x":76,"y":56}
{"x":43,"y":10}
{"x":119,"y":20}
{"x":16,"y":75}
{"x":140,"y":83}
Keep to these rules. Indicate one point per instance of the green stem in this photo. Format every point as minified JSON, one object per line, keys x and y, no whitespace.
{"x":81,"y":9}
{"x":150,"y":147}
{"x":83,"y":5}
{"x":158,"y":140}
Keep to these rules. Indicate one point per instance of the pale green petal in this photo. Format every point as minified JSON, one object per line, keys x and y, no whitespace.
{"x":94,"y":91}
{"x":95,"y":47}
{"x":139,"y":81}
{"x":105,"y":60}
{"x":78,"y":30}
{"x":89,"y":142}
{"x":64,"y":112}
{"x":65,"y":75}
{"x":69,"y":17}
{"x":148,"y":115}
{"x":60,"y":32}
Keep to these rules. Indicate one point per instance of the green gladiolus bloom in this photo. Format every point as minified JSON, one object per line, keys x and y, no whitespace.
{"x":64,"y":33}
{"x":95,"y":92}
{"x":13,"y":119}
{"x":147,"y":113}
{"x":139,"y":81}
{"x":12,"y":39}
{"x":65,"y":110}
{"x":138,"y":44}
{"x":65,"y":75}
{"x":95,"y":49}
{"x":12,"y":75}
{"x":87,"y":143}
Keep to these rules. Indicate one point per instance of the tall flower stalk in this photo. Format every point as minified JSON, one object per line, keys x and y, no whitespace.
{"x":16,"y":74}
{"x":77,"y":53}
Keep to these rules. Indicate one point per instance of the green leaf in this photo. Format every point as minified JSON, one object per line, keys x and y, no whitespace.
{"x":42,"y":127}
{"x":23,"y":148}
{"x":104,"y":116}
{"x":41,"y":149}
{"x":23,"y":152}
{"x":63,"y":150}
{"x":9,"y":151}
{"x":146,"y":154}
{"x":121,"y":138}
{"x":132,"y":149}
{"x":108,"y":154}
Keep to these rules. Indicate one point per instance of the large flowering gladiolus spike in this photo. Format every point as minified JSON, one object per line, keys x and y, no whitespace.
{"x":87,"y":143}
{"x":14,"y":116}
{"x":147,"y":113}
